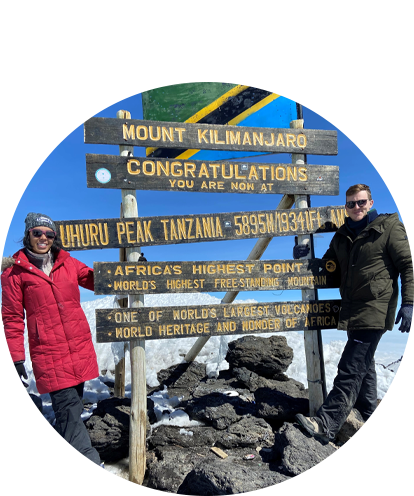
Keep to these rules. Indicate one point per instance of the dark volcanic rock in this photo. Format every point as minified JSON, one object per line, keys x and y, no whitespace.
{"x":108,"y":428}
{"x":297,"y":451}
{"x":351,"y":426}
{"x":229,"y":476}
{"x":267,"y":357}
{"x":249,"y":432}
{"x":169,"y":466}
{"x":182,"y":378}
{"x":189,"y":437}
{"x":219,"y":409}
{"x":250,"y":379}
{"x":281,"y":401}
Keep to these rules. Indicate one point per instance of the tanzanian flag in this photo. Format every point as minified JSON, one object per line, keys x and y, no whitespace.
{"x":215,"y":103}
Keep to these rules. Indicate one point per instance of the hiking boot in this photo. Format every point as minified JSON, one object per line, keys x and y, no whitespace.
{"x":313,"y":426}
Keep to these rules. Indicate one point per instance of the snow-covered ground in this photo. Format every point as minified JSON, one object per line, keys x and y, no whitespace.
{"x":161,"y":354}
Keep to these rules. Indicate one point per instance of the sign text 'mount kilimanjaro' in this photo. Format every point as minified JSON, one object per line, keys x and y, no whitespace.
{"x":101,"y":130}
{"x":213,"y":276}
{"x":124,"y":324}
{"x":178,"y":229}
{"x":110,"y":171}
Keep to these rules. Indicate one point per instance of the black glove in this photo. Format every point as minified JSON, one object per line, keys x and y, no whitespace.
{"x":406,"y":314}
{"x":21,"y":371}
{"x":300,"y":251}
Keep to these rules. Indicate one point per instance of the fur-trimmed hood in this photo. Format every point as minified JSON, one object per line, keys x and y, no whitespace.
{"x":6,"y":262}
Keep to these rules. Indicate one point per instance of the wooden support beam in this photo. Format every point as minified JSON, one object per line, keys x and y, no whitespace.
{"x":119,"y":386}
{"x":259,"y":248}
{"x":137,"y":426}
{"x":314,"y":362}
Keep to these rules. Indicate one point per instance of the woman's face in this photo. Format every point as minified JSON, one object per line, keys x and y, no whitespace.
{"x":42,"y":244}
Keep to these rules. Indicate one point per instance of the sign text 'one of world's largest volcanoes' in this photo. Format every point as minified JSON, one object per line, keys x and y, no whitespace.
{"x":124,"y":324}
{"x":109,"y":131}
{"x":177,"y":229}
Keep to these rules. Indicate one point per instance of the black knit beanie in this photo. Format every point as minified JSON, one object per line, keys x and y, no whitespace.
{"x":34,"y":220}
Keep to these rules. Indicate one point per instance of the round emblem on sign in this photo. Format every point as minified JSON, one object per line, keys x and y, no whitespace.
{"x":330,"y":266}
{"x":103,"y":176}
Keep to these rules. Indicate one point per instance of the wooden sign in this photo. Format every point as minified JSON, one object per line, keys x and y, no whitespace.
{"x":109,"y":171}
{"x":103,"y":130}
{"x":150,"y":231}
{"x":124,"y":324}
{"x":213,"y":276}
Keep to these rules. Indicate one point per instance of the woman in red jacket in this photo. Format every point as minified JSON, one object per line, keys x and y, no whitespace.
{"x":43,"y":281}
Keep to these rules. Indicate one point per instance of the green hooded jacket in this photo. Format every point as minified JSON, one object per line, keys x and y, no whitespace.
{"x":370,"y":265}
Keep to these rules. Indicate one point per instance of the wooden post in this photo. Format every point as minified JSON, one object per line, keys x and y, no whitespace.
{"x":138,"y":417}
{"x":314,"y":363}
{"x":259,"y":248}
{"x":119,"y":387}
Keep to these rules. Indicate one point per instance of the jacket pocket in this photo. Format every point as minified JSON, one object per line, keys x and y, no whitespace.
{"x":380,"y":287}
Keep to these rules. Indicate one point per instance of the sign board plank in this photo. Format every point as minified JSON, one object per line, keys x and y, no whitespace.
{"x":116,"y":172}
{"x":104,"y":130}
{"x":213,"y":276}
{"x":151,"y":231}
{"x":124,"y":324}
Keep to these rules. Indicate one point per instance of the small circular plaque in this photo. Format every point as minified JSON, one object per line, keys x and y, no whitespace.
{"x":103,"y":176}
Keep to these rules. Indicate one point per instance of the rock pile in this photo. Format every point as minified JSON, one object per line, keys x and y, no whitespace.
{"x":246,"y":437}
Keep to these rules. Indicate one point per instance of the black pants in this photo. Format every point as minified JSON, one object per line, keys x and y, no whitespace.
{"x":355,"y":385}
{"x":67,"y":405}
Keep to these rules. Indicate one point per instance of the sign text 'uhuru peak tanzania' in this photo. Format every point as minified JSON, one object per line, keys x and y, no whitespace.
{"x":177,"y":229}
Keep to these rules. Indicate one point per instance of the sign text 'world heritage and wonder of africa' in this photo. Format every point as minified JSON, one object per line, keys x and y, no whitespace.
{"x":177,"y":229}
{"x":124,"y":324}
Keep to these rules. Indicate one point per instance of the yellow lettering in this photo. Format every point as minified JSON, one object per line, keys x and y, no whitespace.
{"x":167,"y":133}
{"x":128,"y":134}
{"x":142,"y":136}
{"x":246,"y":138}
{"x":129,"y":166}
{"x":201,"y":136}
{"x":152,"y":137}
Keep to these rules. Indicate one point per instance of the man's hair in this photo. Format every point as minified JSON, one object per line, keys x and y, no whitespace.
{"x":352,"y":190}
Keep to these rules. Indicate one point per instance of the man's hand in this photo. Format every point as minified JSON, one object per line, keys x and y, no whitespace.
{"x":300,"y":251}
{"x":21,"y":371}
{"x":406,"y":314}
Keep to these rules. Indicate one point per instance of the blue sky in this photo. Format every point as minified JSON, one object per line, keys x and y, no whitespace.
{"x":63,"y":177}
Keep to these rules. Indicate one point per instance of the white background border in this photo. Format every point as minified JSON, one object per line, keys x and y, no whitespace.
{"x":65,"y":61}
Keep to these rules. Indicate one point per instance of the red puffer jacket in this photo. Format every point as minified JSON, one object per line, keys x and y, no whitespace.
{"x":60,"y":340}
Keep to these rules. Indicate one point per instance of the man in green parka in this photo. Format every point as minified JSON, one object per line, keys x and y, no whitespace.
{"x":371,"y":251}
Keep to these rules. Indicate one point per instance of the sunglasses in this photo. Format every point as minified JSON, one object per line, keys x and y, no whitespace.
{"x":37,"y":233}
{"x":351,"y":204}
